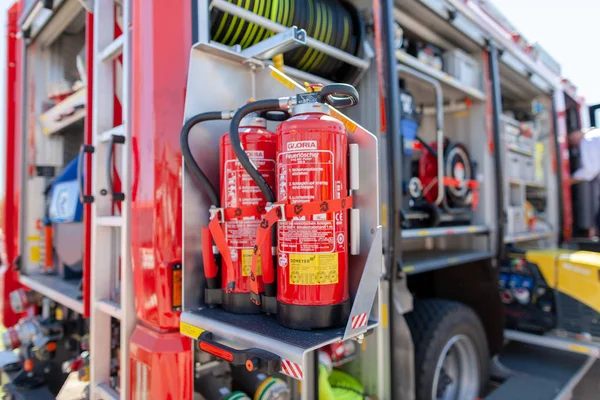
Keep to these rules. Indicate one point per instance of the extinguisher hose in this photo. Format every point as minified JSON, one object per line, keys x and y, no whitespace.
{"x":189,"y":159}
{"x":256,"y":106}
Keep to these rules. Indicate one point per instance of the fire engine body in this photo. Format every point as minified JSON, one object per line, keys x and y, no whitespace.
{"x":113,"y":268}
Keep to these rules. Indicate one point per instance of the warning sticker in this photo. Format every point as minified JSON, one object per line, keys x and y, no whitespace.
{"x":306,"y":176}
{"x":313,"y":269}
{"x":34,"y":255}
{"x":247,"y":262}
{"x":241,"y":233}
{"x":240,"y":190}
{"x":306,"y":236}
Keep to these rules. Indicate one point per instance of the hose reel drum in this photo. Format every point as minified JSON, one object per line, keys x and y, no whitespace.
{"x":336,"y":23}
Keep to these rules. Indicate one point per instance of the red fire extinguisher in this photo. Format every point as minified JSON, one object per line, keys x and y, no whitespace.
{"x":310,"y":207}
{"x":228,"y":241}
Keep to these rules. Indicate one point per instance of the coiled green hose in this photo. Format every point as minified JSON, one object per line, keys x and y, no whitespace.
{"x":333,"y":22}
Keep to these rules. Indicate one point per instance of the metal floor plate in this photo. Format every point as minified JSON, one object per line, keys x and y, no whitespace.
{"x":526,"y":387}
{"x":545,"y":373}
{"x":262,"y":331}
{"x":267,"y":326}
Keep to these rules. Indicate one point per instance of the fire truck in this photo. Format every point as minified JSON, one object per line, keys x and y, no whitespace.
{"x":291,"y":200}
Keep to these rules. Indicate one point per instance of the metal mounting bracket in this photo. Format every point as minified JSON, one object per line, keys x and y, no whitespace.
{"x":276,"y":44}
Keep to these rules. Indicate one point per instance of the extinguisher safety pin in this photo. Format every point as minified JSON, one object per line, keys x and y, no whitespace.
{"x":281,"y":206}
{"x":214,"y":211}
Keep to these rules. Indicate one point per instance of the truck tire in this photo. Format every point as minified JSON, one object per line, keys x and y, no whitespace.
{"x":451,"y":351}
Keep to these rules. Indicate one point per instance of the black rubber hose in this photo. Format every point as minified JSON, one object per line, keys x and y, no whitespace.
{"x":189,"y":159}
{"x":256,"y":106}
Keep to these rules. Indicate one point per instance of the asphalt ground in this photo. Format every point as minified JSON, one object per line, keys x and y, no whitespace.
{"x":589,"y":387}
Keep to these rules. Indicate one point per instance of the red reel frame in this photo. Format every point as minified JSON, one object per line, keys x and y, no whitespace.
{"x":462,"y":190}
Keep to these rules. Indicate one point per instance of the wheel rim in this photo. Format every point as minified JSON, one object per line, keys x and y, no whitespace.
{"x":457,"y":371}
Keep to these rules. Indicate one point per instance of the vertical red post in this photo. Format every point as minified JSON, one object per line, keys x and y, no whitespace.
{"x":8,"y":275}
{"x":88,"y":139}
{"x":161,"y":43}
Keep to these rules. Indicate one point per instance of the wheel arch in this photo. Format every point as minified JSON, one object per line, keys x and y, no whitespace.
{"x":473,"y":284}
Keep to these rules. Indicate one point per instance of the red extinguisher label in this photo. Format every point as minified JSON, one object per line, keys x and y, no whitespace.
{"x":304,"y":175}
{"x":312,"y":250}
{"x":242,"y":191}
{"x":301,"y":176}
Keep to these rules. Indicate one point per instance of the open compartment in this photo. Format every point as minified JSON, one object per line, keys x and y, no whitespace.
{"x":447,"y":200}
{"x":528,"y":153}
{"x":239,"y":73}
{"x":53,"y":231}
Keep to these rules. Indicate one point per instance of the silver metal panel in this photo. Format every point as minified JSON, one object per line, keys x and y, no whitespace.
{"x":554,"y":342}
{"x":403,"y":351}
{"x":354,"y":231}
{"x":353,"y":167}
{"x":210,"y":95}
{"x":437,"y":232}
{"x":369,"y":283}
{"x":424,"y":260}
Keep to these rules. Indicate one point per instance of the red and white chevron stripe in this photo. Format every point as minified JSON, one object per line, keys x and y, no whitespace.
{"x":359,"y":320}
{"x":291,"y":369}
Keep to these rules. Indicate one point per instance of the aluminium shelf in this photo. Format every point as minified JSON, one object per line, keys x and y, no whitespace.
{"x":453,"y":88}
{"x":534,"y":185}
{"x":527,"y":236}
{"x":54,"y":287}
{"x":64,"y":114}
{"x":552,"y":340}
{"x":519,"y":150}
{"x":444,"y":231}
{"x":415,"y":262}
{"x":260,"y":332}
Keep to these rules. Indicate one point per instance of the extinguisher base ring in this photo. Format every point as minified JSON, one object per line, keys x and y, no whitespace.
{"x":307,"y":318}
{"x":239,"y":303}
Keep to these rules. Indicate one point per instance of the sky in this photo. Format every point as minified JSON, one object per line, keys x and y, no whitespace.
{"x":565,"y":30}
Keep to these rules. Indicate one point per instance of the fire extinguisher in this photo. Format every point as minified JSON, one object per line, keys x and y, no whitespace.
{"x":310,"y":207}
{"x":235,"y":214}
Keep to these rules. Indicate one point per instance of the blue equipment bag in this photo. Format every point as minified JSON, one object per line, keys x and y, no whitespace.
{"x":65,"y":205}
{"x":409,"y":121}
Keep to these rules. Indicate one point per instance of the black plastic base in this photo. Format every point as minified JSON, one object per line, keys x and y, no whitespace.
{"x":269,"y":304}
{"x":239,"y":303}
{"x":307,"y":318}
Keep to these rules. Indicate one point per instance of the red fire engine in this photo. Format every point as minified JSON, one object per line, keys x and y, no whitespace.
{"x":193,"y":202}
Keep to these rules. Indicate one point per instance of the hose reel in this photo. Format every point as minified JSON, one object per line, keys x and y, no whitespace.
{"x":323,"y":20}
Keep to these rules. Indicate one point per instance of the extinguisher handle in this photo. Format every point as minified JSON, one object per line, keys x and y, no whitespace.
{"x":339,"y":95}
